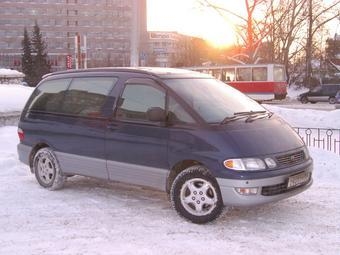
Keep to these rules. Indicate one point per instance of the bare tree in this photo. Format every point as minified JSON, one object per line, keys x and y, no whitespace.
{"x":250,"y":31}
{"x":282,"y":28}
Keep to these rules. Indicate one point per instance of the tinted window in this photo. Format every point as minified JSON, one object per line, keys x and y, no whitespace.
{"x":137,"y":99}
{"x":86,"y":96}
{"x":49,"y":95}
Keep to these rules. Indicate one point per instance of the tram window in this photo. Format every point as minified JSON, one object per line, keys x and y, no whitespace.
{"x":279,"y":73}
{"x":243,"y":74}
{"x":259,"y":73}
{"x":217,"y":74}
{"x":228,"y":74}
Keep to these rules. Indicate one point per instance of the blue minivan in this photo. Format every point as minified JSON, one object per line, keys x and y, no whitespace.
{"x":204,"y":143}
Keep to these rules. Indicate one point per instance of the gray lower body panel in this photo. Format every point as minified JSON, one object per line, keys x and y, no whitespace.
{"x":75,"y":164}
{"x":24,"y":152}
{"x":137,"y":174}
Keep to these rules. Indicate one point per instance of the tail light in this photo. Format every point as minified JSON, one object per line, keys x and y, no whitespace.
{"x":21,"y":134}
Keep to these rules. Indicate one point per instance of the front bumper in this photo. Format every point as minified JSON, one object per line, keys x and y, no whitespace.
{"x":232,"y":198}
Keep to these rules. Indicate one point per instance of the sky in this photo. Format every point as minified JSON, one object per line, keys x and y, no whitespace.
{"x":188,"y":17}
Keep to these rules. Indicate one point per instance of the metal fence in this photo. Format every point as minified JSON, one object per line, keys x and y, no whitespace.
{"x":326,"y":139}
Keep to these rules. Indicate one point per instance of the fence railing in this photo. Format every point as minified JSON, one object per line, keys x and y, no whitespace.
{"x":326,"y":139}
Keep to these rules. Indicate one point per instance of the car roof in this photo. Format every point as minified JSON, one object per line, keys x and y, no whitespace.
{"x":161,"y":72}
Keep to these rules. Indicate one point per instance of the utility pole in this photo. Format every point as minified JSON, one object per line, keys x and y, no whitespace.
{"x":309,"y":45}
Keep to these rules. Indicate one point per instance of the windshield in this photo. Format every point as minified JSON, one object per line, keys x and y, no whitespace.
{"x":213,"y":100}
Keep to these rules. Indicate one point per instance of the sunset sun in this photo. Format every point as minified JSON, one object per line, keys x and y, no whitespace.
{"x":186,"y":18}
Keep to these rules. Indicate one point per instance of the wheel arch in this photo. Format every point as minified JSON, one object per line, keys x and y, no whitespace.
{"x":177,"y":169}
{"x":34,"y":151}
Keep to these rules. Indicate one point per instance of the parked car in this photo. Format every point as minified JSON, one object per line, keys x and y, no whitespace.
{"x":337,"y":97}
{"x":204,"y":143}
{"x":324,"y":93}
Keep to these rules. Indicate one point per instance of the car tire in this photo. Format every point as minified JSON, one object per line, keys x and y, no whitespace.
{"x":332,"y":100}
{"x":196,"y":196}
{"x":47,"y":169}
{"x":304,"y":100}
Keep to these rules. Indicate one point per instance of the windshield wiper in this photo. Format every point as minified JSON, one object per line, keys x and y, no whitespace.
{"x":259,"y":115}
{"x":250,"y":115}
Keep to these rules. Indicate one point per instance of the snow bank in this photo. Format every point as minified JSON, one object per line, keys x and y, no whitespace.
{"x":13,"y":97}
{"x":10,"y":73}
{"x":293,"y":92}
{"x":308,"y":118}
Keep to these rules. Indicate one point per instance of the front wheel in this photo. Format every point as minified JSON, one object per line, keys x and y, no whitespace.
{"x":196,"y":196}
{"x":47,"y":170}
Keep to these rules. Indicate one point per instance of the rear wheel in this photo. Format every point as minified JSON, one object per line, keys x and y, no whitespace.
{"x":196,"y":196}
{"x":332,"y":100}
{"x":47,"y":170}
{"x":304,"y":100}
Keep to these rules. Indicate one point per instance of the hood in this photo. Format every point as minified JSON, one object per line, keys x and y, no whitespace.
{"x":260,"y":137}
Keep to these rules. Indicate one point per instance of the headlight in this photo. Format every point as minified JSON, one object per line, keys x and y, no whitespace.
{"x":245,"y":164}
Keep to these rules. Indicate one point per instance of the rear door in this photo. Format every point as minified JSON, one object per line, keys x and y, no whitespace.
{"x":136,"y":146}
{"x":85,"y":113}
{"x":71,"y":115}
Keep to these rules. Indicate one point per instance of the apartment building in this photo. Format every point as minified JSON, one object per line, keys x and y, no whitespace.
{"x":111,"y":32}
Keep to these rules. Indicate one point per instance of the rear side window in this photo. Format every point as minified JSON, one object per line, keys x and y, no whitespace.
{"x":77,"y":96}
{"x":86,"y":96}
{"x":49,"y":96}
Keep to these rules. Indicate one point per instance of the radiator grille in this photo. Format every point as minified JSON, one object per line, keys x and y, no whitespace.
{"x":291,"y":159}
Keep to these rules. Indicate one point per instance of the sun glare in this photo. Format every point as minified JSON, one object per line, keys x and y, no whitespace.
{"x":183,"y":17}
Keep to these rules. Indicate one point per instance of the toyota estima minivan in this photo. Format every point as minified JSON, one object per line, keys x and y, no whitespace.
{"x":204,"y":143}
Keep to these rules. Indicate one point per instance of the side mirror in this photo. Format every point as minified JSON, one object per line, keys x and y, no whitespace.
{"x":156,"y":114}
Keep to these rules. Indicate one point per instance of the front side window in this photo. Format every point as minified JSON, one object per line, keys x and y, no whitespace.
{"x":138,"y":99}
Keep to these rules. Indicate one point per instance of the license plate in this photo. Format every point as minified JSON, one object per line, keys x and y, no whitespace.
{"x":298,"y":180}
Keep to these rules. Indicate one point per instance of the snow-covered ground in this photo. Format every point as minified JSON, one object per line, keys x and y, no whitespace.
{"x":91,"y":216}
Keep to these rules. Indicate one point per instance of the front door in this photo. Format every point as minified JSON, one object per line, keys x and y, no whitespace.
{"x":136,"y":146}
